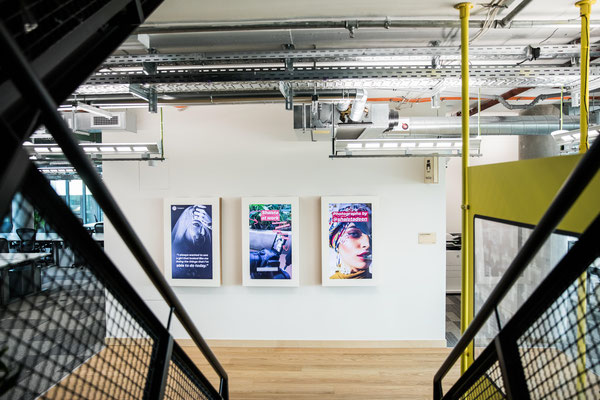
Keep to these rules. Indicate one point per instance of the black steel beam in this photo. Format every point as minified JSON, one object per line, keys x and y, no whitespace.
{"x":67,"y":63}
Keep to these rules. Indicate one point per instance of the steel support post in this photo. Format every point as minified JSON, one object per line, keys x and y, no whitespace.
{"x":467,"y":276}
{"x":585,"y":10}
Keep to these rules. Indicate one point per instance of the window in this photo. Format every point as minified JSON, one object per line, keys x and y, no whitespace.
{"x":79,"y":199}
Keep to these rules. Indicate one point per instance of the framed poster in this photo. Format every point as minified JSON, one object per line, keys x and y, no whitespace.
{"x":270,"y":241}
{"x":348,"y":233}
{"x":192,"y":241}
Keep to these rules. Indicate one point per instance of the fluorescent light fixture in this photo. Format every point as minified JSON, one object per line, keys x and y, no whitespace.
{"x":123,"y":148}
{"x":372,"y":145}
{"x":390,"y":145}
{"x":106,"y":149}
{"x":94,"y":110}
{"x":140,"y":148}
{"x":444,"y":144}
{"x":55,"y":149}
{"x":558,"y":132}
{"x":354,"y":145}
{"x":41,"y":149}
{"x":567,"y":138}
{"x":577,"y":136}
{"x":89,"y":149}
{"x":426,"y":144}
{"x":408,"y":144}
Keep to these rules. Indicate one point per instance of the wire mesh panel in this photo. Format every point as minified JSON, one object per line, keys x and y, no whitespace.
{"x":64,"y":332}
{"x":181,"y":383}
{"x":488,"y":387}
{"x":559,"y":352}
{"x":37,"y":24}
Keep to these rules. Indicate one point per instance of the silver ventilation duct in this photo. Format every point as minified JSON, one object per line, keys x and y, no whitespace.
{"x":358,"y":106}
{"x":383,"y":122}
{"x":517,"y":125}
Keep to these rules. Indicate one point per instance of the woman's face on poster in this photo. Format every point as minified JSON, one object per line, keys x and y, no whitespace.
{"x":355,"y":248}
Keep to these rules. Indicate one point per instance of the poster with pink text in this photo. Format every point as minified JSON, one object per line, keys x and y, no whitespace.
{"x":348,"y":250}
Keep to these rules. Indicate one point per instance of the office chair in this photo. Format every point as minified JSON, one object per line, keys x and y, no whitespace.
{"x":99,"y":227}
{"x":27,"y":236}
{"x":4,"y":246}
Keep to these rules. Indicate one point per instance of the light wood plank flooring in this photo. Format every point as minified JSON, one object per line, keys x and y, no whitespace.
{"x":325,"y":373}
{"x":118,"y":372}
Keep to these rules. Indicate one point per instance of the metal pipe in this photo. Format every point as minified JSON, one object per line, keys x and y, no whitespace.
{"x":578,"y":180}
{"x":585,"y":10}
{"x":514,"y":125}
{"x":23,"y":76}
{"x":467,"y":278}
{"x":539,"y":98}
{"x":191,"y":27}
{"x":508,"y":19}
{"x":358,"y":106}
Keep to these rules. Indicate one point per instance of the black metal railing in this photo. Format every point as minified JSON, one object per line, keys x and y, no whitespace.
{"x":518,"y":351}
{"x":75,"y":330}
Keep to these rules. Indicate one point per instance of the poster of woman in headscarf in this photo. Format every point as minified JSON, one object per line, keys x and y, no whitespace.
{"x":192,"y":256}
{"x":348,"y":231}
{"x":269,"y":227}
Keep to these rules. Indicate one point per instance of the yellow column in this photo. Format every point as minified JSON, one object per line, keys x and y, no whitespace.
{"x":467,"y":274}
{"x":585,"y":9}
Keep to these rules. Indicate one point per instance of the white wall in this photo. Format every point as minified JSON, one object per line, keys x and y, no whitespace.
{"x":251,"y":150}
{"x":494,"y":149}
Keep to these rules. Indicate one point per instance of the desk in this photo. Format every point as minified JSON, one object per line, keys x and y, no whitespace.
{"x":47,"y":237}
{"x":51,"y":239}
{"x":13,"y":260}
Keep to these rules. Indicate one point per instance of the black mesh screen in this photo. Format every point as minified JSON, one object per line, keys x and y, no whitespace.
{"x":63,"y":332}
{"x":181,"y":383}
{"x":559,"y":352}
{"x":37,"y":24}
{"x":488,"y":387}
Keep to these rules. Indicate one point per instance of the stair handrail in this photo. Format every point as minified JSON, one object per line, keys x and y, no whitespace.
{"x":25,"y":79}
{"x":567,"y":195}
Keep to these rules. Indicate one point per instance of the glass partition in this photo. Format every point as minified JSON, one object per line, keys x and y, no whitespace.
{"x":496,"y":244}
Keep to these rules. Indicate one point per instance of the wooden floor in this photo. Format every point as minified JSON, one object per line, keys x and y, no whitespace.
{"x":324,"y":373}
{"x":118,"y":372}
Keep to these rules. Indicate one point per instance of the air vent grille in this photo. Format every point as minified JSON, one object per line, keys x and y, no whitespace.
{"x":103,"y":121}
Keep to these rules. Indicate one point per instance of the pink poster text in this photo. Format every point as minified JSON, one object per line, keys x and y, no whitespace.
{"x":269,"y":215}
{"x":349,"y":216}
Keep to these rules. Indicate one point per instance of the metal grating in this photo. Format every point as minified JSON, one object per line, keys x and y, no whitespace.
{"x":64,"y":331}
{"x":559,"y":352}
{"x":488,"y":387}
{"x":37,"y":24}
{"x":449,"y":52}
{"x":181,"y":384}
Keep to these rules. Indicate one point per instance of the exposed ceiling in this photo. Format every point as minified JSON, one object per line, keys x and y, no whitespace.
{"x":221,"y":51}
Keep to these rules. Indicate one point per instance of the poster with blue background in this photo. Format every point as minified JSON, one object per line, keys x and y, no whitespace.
{"x":191,"y":241}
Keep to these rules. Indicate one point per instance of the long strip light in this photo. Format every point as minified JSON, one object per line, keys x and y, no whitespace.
{"x":449,"y":147}
{"x":114,"y":150}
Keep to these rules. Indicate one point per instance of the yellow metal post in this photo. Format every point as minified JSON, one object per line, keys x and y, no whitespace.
{"x":467,"y":275}
{"x":585,"y":9}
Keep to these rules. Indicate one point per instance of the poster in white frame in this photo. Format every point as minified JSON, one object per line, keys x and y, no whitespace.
{"x":270,"y":236}
{"x":348,"y":231}
{"x":192,"y":241}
